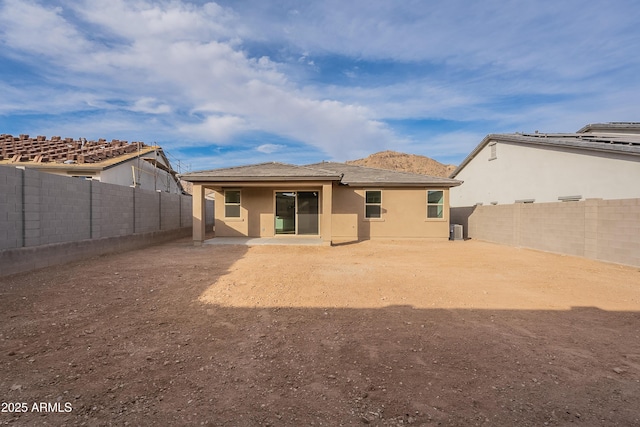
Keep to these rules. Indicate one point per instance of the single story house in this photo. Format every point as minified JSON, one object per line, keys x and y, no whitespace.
{"x":134,"y":164}
{"x":598,"y":161}
{"x":334,"y":201}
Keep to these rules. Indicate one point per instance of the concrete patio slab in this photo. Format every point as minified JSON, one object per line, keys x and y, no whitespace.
{"x":262,"y":241}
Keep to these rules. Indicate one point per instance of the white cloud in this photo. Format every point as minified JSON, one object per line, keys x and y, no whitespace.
{"x":216,"y":128}
{"x":569,"y":37}
{"x":269,"y":148}
{"x":190,"y":72}
{"x":170,"y":56}
{"x":150,"y":105}
{"x":39,"y":30}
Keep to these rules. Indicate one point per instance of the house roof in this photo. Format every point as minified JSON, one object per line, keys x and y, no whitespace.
{"x":67,"y":153}
{"x":612,"y":127}
{"x":621,"y":143}
{"x":325,"y":171}
{"x":273,"y":171}
{"x":374,"y":177}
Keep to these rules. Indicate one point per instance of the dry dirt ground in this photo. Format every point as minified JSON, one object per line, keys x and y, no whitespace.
{"x":374,"y":333}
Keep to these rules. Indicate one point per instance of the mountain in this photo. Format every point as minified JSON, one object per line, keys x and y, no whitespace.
{"x":392,"y":160}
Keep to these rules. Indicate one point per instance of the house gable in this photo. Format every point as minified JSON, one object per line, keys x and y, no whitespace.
{"x":504,"y":169}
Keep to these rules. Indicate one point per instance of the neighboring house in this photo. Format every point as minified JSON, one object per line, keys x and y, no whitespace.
{"x":333,"y":201}
{"x":116,"y":162}
{"x":599,"y":161}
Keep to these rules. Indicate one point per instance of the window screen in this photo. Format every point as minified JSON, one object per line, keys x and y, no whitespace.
{"x":373,"y":204}
{"x":435,"y":204}
{"x":232,"y":203}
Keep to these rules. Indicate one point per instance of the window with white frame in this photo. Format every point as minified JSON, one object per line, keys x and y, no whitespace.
{"x":232,"y":203}
{"x":373,"y":204}
{"x":435,"y":204}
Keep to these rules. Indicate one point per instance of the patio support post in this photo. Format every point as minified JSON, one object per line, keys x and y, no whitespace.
{"x":199,"y":217}
{"x":327,"y":209}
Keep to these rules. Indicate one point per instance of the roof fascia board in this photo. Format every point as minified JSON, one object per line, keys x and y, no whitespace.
{"x":552,"y":142}
{"x":446,"y":184}
{"x":263,"y":184}
{"x":256,"y":179}
{"x":56,"y":168}
{"x":130,"y":156}
{"x":613,"y":127}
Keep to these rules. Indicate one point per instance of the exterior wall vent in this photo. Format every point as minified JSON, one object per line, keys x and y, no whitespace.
{"x":570,"y":198}
{"x":493,"y":151}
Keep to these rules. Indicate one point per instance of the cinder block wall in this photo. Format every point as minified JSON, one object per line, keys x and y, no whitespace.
{"x":553,"y":227}
{"x":57,"y":209}
{"x":113,"y":210}
{"x":617,"y":231}
{"x":169,"y":211}
{"x":11,"y":220}
{"x":186,"y":205}
{"x":48,"y":219}
{"x":493,"y":223}
{"x":607,"y":230}
{"x":147,"y":209}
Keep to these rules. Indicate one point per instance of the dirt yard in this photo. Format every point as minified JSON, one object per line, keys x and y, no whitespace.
{"x":375,"y":333}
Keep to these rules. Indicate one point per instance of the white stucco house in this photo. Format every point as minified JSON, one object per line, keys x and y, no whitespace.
{"x":598,"y":161}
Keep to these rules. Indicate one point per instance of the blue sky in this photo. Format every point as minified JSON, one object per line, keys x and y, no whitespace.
{"x":236,"y":82}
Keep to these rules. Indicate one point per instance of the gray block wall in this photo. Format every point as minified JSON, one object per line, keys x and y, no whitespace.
{"x":186,"y":205}
{"x":11,"y":221}
{"x":48,"y":219}
{"x":606,"y":230}
{"x":147,"y":210}
{"x":38,"y":208}
{"x":57,"y":209}
{"x":169,"y":211}
{"x":113,"y":210}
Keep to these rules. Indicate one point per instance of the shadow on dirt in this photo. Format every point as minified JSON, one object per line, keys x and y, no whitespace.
{"x":121,"y":346}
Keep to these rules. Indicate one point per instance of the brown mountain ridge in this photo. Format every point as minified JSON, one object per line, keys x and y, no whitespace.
{"x":393,"y":160}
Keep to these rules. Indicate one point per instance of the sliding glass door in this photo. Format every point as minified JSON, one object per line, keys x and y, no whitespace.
{"x":307,"y":212}
{"x":285,"y":212}
{"x":296,"y":212}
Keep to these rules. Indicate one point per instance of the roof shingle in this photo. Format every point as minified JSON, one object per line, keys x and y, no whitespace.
{"x":271,"y":171}
{"x":331,"y":171}
{"x":366,"y":176}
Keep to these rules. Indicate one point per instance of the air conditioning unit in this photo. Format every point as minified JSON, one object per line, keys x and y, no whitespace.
{"x":456,"y":232}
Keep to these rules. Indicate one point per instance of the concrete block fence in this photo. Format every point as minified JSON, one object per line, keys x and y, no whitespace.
{"x":606,"y":230}
{"x":48,"y":219}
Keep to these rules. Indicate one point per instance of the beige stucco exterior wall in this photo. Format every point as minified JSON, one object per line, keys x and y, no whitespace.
{"x":257,"y":212}
{"x":404,"y":215}
{"x":544,"y":174}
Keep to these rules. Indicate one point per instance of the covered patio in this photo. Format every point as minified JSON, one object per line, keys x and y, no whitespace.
{"x":268,"y":203}
{"x":265,"y":241}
